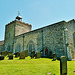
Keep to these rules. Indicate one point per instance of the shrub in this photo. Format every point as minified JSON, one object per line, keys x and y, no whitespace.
{"x":1,"y":57}
{"x":4,"y":53}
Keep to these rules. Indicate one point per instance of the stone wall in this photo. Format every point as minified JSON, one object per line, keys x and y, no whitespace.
{"x":49,"y":37}
{"x":13,"y":29}
{"x":54,"y":38}
{"x":1,"y":47}
{"x":70,"y":39}
{"x":9,"y":36}
{"x":21,"y":28}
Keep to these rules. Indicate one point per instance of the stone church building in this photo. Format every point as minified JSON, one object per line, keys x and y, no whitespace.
{"x":56,"y":38}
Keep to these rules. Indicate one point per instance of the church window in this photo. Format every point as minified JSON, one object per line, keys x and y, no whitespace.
{"x":74,"y":38}
{"x":30,"y":46}
{"x":9,"y":34}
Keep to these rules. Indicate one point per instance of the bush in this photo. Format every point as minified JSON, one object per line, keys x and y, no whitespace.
{"x":4,"y":53}
{"x":1,"y":57}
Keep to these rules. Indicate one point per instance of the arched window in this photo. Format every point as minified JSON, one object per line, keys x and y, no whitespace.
{"x":30,"y":46}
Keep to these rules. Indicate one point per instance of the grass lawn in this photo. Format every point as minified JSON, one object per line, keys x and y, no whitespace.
{"x":28,"y":66}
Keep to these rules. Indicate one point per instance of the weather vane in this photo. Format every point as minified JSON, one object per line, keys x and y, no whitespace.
{"x":18,"y":13}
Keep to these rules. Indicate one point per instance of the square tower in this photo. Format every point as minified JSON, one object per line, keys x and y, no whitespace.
{"x":13,"y":29}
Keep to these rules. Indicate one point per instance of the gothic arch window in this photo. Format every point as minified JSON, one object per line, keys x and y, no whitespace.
{"x":31,"y":46}
{"x":74,"y":38}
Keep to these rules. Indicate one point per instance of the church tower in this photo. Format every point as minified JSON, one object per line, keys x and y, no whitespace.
{"x":12,"y":29}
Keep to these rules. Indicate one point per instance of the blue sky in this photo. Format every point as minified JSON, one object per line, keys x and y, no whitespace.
{"x":38,"y":13}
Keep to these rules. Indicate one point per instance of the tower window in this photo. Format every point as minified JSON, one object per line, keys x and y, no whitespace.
{"x":9,"y":34}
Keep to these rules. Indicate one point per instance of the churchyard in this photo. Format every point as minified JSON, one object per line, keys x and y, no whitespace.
{"x":28,"y":66}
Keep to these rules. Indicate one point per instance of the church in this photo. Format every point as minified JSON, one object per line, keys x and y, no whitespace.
{"x":55,"y":38}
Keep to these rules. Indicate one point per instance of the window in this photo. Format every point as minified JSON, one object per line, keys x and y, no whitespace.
{"x":9,"y":34}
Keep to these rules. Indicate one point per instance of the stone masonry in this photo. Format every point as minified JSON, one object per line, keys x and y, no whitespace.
{"x":58,"y":38}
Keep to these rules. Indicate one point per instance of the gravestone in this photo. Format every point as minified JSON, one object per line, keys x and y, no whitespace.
{"x":4,"y":53}
{"x":26,"y":53}
{"x":17,"y":54}
{"x":38,"y":54}
{"x":1,"y":57}
{"x":22,"y":55}
{"x":0,"y":51}
{"x":50,"y":54}
{"x":54,"y":57}
{"x":32,"y":54}
{"x":10,"y":53}
{"x":10,"y":57}
{"x":63,"y":65}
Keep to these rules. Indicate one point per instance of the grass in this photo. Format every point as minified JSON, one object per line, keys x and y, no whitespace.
{"x":28,"y":66}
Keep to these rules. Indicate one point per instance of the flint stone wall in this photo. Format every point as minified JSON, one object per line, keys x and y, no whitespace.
{"x":70,"y":39}
{"x":50,"y":37}
{"x":2,"y":48}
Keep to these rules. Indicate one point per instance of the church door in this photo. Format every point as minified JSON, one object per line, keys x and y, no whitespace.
{"x":46,"y":51}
